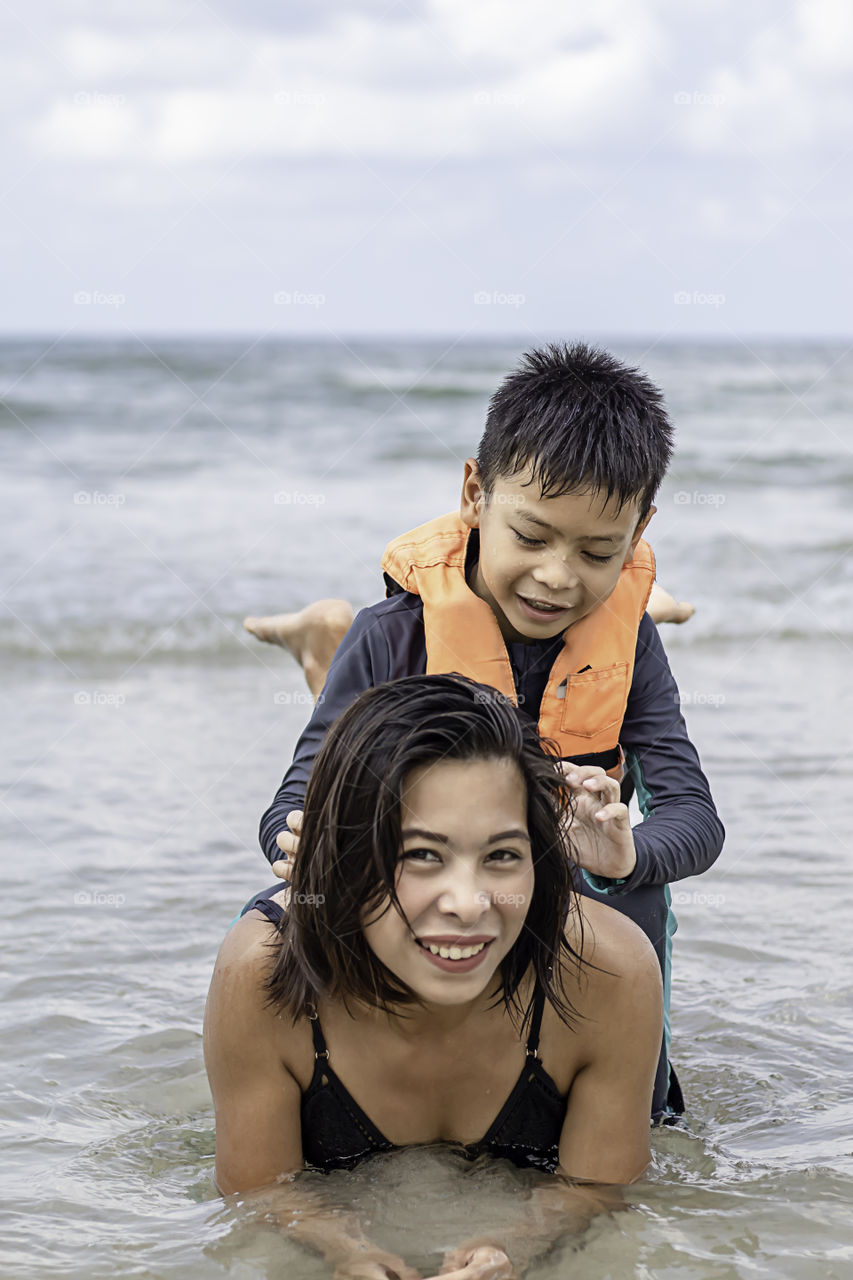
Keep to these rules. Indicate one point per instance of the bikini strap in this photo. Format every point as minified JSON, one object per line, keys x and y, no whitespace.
{"x":320,"y":1050}
{"x":271,"y":910}
{"x":535,"y":1023}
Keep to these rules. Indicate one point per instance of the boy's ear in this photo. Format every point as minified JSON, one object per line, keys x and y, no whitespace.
{"x":638,"y":532}
{"x":473,"y":496}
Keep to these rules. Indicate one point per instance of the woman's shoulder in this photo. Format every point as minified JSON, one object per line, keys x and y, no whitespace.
{"x":243,"y":965}
{"x":616,"y":954}
{"x":239,"y":1002}
{"x":246,"y":954}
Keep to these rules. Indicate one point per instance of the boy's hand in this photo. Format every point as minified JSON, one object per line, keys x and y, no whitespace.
{"x":288,"y":842}
{"x":600,"y":829}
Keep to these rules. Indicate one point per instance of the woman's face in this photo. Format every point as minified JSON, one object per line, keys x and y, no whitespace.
{"x":464,"y":879}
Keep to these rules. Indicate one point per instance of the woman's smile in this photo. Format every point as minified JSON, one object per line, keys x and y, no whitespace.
{"x":454,"y":957}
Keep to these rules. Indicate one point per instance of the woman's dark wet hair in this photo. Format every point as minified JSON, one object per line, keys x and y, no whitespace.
{"x":584,"y":420}
{"x":351,"y":841}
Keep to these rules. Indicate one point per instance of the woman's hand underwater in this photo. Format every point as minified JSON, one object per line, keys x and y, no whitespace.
{"x":476,"y":1262}
{"x":376,"y":1265}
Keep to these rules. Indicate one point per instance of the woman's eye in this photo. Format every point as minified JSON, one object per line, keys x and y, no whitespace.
{"x":419,"y":855}
{"x":505,"y":855}
{"x":597,"y":559}
{"x":527,"y":542}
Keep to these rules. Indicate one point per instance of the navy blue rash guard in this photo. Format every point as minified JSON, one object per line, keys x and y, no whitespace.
{"x":681,"y":834}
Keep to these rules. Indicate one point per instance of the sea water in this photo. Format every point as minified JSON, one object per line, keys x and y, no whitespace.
{"x":156,"y":491}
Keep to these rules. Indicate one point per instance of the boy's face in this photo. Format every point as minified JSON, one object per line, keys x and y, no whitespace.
{"x":545,"y":563}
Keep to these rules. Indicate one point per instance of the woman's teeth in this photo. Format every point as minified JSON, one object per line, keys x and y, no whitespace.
{"x":453,"y":953}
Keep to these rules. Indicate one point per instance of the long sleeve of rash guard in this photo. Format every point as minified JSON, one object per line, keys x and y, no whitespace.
{"x":681,"y":834}
{"x":385,"y":641}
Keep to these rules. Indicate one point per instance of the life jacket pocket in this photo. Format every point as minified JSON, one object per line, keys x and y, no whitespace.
{"x":595,"y":701}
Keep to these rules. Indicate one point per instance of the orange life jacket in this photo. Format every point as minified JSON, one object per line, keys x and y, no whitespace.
{"x":587,"y":691}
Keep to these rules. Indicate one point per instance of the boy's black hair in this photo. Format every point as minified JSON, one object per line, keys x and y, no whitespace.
{"x":584,"y":420}
{"x":351,"y":839}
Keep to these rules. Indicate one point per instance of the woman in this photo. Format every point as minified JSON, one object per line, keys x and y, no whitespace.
{"x":434,"y":978}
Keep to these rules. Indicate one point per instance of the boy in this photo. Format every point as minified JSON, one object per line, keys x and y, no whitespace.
{"x":539,"y":587}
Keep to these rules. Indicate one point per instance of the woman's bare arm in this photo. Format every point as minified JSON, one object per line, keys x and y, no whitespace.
{"x":605,"y":1136}
{"x":258,"y":1102}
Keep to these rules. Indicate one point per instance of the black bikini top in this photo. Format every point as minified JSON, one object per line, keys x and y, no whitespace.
{"x":337,"y":1134}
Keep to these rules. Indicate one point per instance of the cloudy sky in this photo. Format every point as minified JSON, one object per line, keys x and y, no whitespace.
{"x":427,"y":166}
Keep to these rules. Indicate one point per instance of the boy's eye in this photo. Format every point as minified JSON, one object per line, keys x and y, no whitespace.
{"x":527,"y":542}
{"x":598,"y":559}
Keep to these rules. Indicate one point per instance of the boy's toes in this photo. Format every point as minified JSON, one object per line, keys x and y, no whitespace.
{"x":683,"y":611}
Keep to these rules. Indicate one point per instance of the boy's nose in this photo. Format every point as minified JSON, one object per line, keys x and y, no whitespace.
{"x":556,"y":575}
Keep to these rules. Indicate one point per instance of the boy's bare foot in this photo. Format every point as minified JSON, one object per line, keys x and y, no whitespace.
{"x":312,"y":635}
{"x":663,"y":607}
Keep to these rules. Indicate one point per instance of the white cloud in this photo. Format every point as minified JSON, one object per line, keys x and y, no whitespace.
{"x":395,"y":158}
{"x":478,"y":79}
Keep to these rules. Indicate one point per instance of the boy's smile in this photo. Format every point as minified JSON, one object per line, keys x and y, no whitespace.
{"x":545,"y":563}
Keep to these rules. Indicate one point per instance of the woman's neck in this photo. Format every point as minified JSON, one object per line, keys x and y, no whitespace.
{"x":426,"y":1022}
